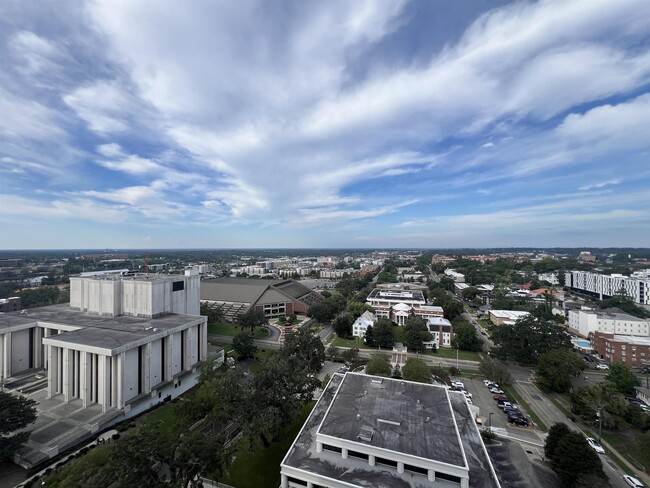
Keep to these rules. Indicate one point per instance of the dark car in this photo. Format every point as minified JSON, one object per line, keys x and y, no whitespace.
{"x":518,"y":420}
{"x":496,"y":398}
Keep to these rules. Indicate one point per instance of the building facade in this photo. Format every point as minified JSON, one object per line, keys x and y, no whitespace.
{"x":505,"y":317}
{"x":633,"y":351}
{"x":636,"y":286}
{"x":381,"y":432}
{"x":442,"y":331}
{"x":365,"y":320}
{"x":587,"y":322}
{"x":398,"y":304}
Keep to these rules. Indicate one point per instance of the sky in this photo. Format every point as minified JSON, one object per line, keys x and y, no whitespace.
{"x":219,"y":124}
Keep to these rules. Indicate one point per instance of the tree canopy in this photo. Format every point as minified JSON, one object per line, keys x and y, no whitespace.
{"x":383,"y":333}
{"x":555,"y":369}
{"x":15,"y":413}
{"x":343,"y":325}
{"x":306,"y":347}
{"x":416,"y":333}
{"x":465,"y":336}
{"x":244,"y":345}
{"x":416,"y":370}
{"x":251,"y":319}
{"x":379,"y":365}
{"x":528,"y":338}
{"x":623,"y":378}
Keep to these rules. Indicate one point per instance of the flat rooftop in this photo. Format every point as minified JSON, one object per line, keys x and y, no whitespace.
{"x":379,"y":294}
{"x":97,"y":330}
{"x":450,"y":435}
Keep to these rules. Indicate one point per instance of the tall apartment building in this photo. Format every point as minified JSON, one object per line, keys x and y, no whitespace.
{"x":637,"y":286}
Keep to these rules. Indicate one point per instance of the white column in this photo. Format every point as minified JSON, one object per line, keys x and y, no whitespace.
{"x":46,"y":359}
{"x":85,"y":377}
{"x":344,"y":453}
{"x":7,"y":356}
{"x":319,"y":447}
{"x":2,"y":358}
{"x":431,"y":475}
{"x":371,"y":459}
{"x":400,"y":467}
{"x":146,"y":387}
{"x":67,"y":375}
{"x":104,"y":376}
{"x":169,"y":349}
{"x":285,"y":481}
{"x":203,"y":337}
{"x":53,"y":371}
{"x":464,"y":483}
{"x":120,"y":380}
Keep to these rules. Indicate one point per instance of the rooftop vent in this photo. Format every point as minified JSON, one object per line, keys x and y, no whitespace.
{"x":391,"y":422}
{"x":365,"y":435}
{"x":379,"y":381}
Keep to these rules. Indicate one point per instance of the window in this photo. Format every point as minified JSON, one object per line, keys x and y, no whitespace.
{"x":416,"y":469}
{"x":448,"y":477}
{"x":327,"y":447}
{"x":178,"y":285}
{"x":359,"y":455}
{"x":296,"y":481}
{"x":386,"y":462}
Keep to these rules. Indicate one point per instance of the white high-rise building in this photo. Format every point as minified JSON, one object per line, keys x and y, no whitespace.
{"x":637,"y":286}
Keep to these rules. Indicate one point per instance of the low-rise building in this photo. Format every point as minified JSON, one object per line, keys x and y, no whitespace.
{"x":11,"y":304}
{"x":586,"y":322}
{"x":365,"y":320}
{"x":398,"y":304}
{"x":367,"y":431}
{"x":442,"y":331}
{"x":505,"y":317}
{"x":634,"y":351}
{"x":454,"y":275}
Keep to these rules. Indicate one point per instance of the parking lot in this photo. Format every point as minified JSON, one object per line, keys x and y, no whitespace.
{"x":482,"y":398}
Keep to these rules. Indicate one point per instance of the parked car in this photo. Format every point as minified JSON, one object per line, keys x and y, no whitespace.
{"x":466,"y":393}
{"x":602,"y":366}
{"x":503,"y":405}
{"x":633,"y":482}
{"x":593,"y":443}
{"x":458,"y":384}
{"x":518,"y":419}
{"x":487,"y":382}
{"x":496,"y":390}
{"x":496,"y":398}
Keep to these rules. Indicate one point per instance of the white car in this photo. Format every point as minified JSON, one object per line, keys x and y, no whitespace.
{"x":593,"y":443}
{"x":496,"y":391}
{"x":487,"y":382}
{"x":466,"y":393}
{"x":633,"y":482}
{"x":457,"y":384}
{"x":602,"y":366}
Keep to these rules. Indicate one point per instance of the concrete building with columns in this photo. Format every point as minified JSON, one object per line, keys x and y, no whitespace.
{"x":381,"y":432}
{"x":122,"y":345}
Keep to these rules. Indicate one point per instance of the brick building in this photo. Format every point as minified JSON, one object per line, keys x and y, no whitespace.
{"x":634,"y":351}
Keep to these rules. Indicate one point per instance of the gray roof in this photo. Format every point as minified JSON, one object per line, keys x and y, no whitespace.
{"x":252,"y":291}
{"x":404,"y":403}
{"x":391,"y":400}
{"x":99,"y":331}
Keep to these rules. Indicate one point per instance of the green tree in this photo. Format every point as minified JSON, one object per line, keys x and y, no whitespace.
{"x":244,"y":345}
{"x":213,"y":312}
{"x":369,"y":336}
{"x":573,"y":459}
{"x":384,"y":333}
{"x":453,"y":309}
{"x":555,"y":434}
{"x":251,"y":319}
{"x":357,"y":308}
{"x":623,"y":378}
{"x":470,"y":293}
{"x":416,"y":370}
{"x":379,"y":365}
{"x":465,"y":337}
{"x":495,"y":370}
{"x":600,"y":403}
{"x":528,"y":338}
{"x":556,"y":368}
{"x":307,"y":348}
{"x":416,"y":333}
{"x":622,"y":301}
{"x":15,"y":413}
{"x":343,"y":325}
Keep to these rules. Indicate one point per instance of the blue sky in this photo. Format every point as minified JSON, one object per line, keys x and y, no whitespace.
{"x":452,"y":123}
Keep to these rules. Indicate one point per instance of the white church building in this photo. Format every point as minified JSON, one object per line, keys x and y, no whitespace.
{"x":122,"y":345}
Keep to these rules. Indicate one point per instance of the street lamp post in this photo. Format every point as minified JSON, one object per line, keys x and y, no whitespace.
{"x":457,"y":368}
{"x":490,"y":420}
{"x":600,"y":424}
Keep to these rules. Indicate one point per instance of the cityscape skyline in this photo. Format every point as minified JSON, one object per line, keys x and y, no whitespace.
{"x":337,"y":125}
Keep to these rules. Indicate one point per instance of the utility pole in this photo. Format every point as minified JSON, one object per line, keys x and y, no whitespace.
{"x":600,"y":424}
{"x":457,"y":368}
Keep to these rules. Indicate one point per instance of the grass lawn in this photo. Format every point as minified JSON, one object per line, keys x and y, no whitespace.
{"x":357,"y":342}
{"x":260,"y":468}
{"x":450,"y":353}
{"x":233,"y":330}
{"x":164,"y":415}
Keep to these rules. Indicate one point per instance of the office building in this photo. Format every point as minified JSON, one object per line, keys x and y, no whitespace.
{"x":636,"y":286}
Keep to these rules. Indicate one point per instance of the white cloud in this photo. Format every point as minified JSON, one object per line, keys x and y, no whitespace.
{"x":110,"y":150}
{"x":600,"y":184}
{"x":104,"y":105}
